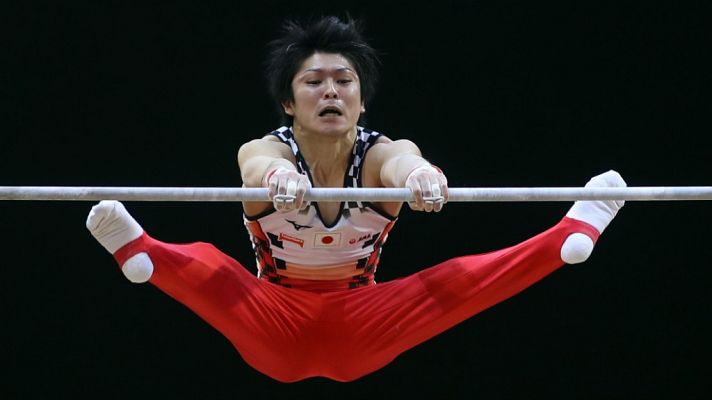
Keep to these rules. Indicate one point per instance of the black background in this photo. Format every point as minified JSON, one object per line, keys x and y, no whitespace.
{"x":496,"y":93}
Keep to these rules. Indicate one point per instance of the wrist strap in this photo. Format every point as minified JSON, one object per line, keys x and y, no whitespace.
{"x":265,"y":182}
{"x":425,"y":166}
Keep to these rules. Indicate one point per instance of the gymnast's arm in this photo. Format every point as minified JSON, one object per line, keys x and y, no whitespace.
{"x":267,"y":162}
{"x":399,"y":164}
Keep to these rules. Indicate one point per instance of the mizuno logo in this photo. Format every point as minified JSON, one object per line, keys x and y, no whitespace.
{"x":297,"y":226}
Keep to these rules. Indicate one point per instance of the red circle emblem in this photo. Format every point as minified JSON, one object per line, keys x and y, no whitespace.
{"x":327,"y":239}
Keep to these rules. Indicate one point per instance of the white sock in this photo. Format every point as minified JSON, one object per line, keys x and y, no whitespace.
{"x":578,"y":247}
{"x":113,"y":227}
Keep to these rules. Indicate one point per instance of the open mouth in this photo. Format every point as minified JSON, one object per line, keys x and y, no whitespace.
{"x":330,"y":112}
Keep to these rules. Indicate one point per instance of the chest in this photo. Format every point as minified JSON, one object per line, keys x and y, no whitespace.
{"x":329,"y":212}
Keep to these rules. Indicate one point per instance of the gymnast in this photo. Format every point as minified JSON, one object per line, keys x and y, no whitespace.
{"x":314,"y":308}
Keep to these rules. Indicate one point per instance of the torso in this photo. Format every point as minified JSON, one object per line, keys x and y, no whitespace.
{"x":331,"y":245}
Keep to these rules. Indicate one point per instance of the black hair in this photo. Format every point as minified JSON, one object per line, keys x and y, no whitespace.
{"x":300,"y":41}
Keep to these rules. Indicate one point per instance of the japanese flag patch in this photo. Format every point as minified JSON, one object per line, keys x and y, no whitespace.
{"x":327,"y":239}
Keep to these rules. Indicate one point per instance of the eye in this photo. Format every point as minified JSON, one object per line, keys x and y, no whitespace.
{"x":345,"y":81}
{"x":313,"y":82}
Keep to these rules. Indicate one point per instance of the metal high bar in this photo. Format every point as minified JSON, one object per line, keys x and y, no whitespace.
{"x":462,"y":194}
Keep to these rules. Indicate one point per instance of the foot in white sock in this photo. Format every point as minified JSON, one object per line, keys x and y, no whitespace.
{"x":113,"y":227}
{"x":578,"y":247}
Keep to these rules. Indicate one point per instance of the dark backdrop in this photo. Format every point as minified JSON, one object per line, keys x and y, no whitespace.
{"x":496,"y":93}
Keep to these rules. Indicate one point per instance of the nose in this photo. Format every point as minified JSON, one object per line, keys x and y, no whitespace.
{"x":330,"y":91}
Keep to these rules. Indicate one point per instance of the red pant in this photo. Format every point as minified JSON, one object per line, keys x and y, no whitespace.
{"x":292,"y":334}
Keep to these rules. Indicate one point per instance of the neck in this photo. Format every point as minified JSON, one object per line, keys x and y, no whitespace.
{"x":327,"y":156}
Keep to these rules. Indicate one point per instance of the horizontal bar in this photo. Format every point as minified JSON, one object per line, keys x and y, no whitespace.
{"x":225,"y":194}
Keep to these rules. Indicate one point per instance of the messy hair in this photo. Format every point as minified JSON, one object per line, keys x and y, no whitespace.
{"x":300,"y":41}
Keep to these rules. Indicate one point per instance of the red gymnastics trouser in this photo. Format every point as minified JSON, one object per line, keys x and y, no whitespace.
{"x":293,"y":334}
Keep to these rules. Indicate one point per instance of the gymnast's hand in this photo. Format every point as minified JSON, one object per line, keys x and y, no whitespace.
{"x":429,"y":187}
{"x":287,"y":188}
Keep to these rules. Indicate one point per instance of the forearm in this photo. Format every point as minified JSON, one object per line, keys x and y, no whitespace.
{"x":255,"y":169}
{"x":396,"y":170}
{"x":260,"y":156}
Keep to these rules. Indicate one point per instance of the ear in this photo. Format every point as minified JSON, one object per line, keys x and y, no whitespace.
{"x":363,"y":108}
{"x":288,"y":107}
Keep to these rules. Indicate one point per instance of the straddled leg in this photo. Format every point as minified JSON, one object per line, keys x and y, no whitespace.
{"x":265,"y":322}
{"x":386,"y":319}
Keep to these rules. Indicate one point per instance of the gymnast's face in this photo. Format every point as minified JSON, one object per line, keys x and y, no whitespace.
{"x":327,"y":96}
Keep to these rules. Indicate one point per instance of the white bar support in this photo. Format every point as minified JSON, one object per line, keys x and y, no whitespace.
{"x":224,"y":194}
